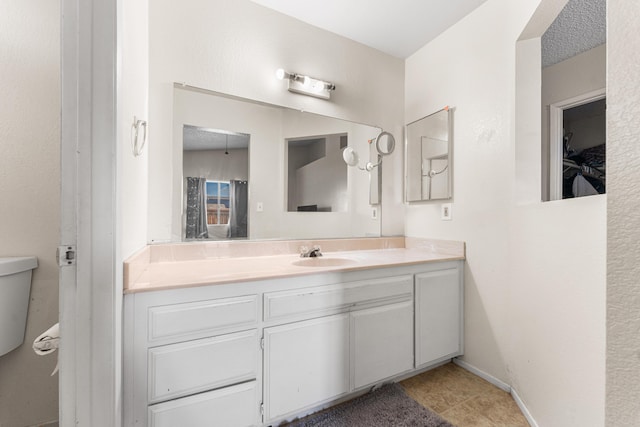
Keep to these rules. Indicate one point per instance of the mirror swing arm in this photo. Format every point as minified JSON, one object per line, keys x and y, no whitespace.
{"x":385,"y":144}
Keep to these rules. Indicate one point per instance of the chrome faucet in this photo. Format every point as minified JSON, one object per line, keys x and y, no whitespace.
{"x":310,"y":253}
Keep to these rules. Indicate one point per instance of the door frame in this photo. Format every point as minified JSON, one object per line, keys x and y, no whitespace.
{"x":90,"y":297}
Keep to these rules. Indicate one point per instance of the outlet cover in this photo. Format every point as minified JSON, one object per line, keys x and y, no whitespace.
{"x":445,"y":213}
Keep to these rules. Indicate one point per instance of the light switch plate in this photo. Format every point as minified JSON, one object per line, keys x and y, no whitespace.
{"x":445,"y":212}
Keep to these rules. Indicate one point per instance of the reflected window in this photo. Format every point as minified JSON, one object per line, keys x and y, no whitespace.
{"x":218,"y":206}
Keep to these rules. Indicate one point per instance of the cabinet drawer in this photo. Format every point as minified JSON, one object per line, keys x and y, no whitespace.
{"x":307,"y":303}
{"x":229,"y":407}
{"x":180,"y":369}
{"x":202,"y":318}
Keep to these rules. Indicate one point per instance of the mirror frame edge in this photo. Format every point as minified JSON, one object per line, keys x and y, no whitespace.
{"x":450,"y":129}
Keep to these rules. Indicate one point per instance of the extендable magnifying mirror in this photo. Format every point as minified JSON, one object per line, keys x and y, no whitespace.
{"x":385,"y":144}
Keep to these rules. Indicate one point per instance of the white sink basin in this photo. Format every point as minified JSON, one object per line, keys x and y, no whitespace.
{"x":323,"y":262}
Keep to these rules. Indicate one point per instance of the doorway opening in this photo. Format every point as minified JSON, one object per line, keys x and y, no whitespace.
{"x":578,"y":146}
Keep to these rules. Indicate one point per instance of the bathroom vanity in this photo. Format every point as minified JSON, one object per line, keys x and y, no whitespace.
{"x":257,"y":340}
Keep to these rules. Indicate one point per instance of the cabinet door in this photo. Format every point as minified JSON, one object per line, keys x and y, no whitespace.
{"x":382,"y":342}
{"x":438,"y":315}
{"x":305,"y":363}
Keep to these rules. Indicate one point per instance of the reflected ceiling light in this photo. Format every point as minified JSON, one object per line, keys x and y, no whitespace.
{"x":306,"y":85}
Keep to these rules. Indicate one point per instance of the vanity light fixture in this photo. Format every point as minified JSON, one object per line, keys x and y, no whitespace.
{"x":306,"y":85}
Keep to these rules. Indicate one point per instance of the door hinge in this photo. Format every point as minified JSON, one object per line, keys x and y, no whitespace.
{"x":262,"y":411}
{"x":262,"y":343}
{"x":66,"y":255}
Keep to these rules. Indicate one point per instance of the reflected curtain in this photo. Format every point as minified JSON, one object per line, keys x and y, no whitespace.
{"x":196,"y":222}
{"x":238,"y":207}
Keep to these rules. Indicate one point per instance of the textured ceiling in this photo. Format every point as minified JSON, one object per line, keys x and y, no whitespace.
{"x":197,"y":138}
{"x":579,"y":27}
{"x":396,"y":27}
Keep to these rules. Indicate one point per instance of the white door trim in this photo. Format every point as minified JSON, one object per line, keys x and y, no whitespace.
{"x":90,"y":368}
{"x":556,"y":135}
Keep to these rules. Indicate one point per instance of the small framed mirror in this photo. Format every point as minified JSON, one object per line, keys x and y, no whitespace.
{"x":428,"y":161}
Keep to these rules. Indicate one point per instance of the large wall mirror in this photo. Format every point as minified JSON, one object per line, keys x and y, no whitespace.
{"x":428,"y":162}
{"x":250,"y":170}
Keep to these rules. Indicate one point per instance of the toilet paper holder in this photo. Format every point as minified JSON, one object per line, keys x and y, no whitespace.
{"x":48,"y":342}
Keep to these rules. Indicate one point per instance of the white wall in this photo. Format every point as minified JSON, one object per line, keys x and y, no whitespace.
{"x":29,"y":184}
{"x":215,"y":165}
{"x":470,"y":68}
{"x":535,"y":272}
{"x":235,"y":48}
{"x":623,"y":216}
{"x":133,"y":172}
{"x":324,"y":181}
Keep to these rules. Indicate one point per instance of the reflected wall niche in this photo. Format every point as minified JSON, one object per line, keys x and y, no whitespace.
{"x":316,"y":174}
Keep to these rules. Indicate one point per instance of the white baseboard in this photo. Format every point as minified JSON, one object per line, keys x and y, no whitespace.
{"x":523,"y":408}
{"x":501,"y":385}
{"x":490,"y":378}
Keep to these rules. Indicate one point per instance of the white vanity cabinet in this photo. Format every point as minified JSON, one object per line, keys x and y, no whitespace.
{"x":260,"y":352}
{"x":192,"y":358}
{"x":311,"y":362}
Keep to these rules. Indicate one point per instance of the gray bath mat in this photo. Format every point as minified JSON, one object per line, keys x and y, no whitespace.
{"x":388,"y":406}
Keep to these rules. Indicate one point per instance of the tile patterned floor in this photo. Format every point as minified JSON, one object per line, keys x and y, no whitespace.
{"x":464,"y":399}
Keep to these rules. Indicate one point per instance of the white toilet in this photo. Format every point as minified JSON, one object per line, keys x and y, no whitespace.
{"x":15,"y":286}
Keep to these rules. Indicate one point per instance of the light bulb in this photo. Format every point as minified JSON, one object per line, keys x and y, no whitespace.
{"x":280,"y":74}
{"x":318,"y":86}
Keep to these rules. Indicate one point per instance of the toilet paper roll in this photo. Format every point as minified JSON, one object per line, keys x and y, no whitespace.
{"x":48,"y":342}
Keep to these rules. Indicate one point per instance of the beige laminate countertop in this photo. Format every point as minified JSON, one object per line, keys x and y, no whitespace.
{"x":170,"y":274}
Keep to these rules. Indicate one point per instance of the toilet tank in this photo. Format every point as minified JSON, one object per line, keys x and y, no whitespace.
{"x":15,"y":286}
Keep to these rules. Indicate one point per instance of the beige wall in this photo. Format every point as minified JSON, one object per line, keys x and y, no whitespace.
{"x":623,"y":218}
{"x":29,"y":185}
{"x":535,"y":272}
{"x":235,"y":48}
